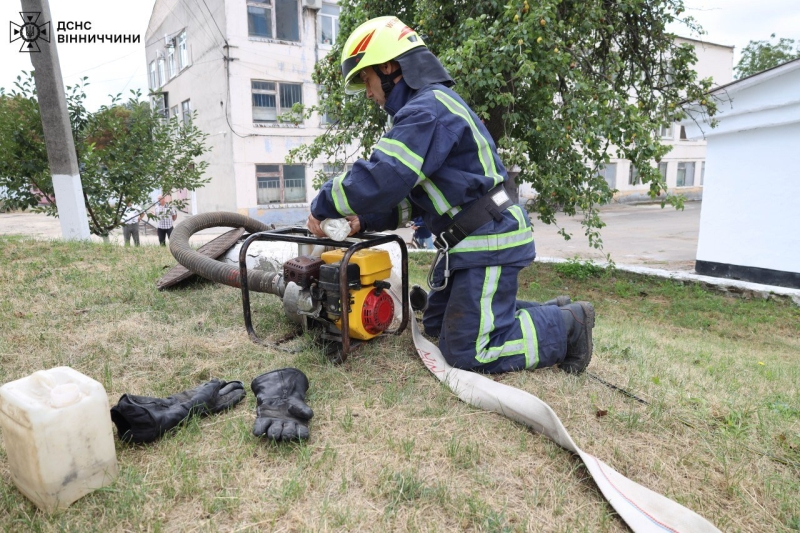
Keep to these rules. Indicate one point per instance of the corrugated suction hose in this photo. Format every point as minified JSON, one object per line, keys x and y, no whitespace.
{"x":211,"y":268}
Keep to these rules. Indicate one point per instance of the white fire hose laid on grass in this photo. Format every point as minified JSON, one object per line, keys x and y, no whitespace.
{"x":641,"y":508}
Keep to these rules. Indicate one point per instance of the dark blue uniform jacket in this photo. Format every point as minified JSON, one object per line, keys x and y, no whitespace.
{"x":435,"y":161}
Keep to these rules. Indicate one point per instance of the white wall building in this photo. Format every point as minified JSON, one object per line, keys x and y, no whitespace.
{"x":240,"y":65}
{"x":751,"y":204}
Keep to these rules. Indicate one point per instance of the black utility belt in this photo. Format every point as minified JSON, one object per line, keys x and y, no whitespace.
{"x":489,"y":207}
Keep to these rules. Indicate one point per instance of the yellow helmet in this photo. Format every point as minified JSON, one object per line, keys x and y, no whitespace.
{"x":375,"y":42}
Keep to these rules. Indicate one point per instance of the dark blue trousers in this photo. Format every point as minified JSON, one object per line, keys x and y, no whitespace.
{"x":483,"y":327}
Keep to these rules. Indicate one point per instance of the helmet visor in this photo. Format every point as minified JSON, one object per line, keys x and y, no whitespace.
{"x":350,"y":70}
{"x":355,"y":86}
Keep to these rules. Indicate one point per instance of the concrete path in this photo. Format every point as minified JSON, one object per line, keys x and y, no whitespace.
{"x":643,"y":235}
{"x":42,"y":226}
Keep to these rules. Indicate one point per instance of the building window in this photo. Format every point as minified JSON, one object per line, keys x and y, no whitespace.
{"x":666,"y":132}
{"x":329,"y":24}
{"x":162,"y":79}
{"x":662,"y":169}
{"x":272,"y":99}
{"x":160,"y":103}
{"x":171,"y":60}
{"x":609,"y":173}
{"x":331,"y":170}
{"x":325,"y":117}
{"x":702,"y":173}
{"x":282,"y":16}
{"x":153,"y":76}
{"x":186,"y":111}
{"x":280,"y":184}
{"x":685,"y":174}
{"x":683,"y":133}
{"x":183,"y":54}
{"x":174,"y":112}
{"x":633,"y":176}
{"x":259,"y":19}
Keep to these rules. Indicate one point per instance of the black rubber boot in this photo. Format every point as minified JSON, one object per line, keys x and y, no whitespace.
{"x":281,"y":413}
{"x":578,"y":322}
{"x":560,"y":301}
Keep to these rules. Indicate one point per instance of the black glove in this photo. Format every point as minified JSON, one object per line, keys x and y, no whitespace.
{"x":282,"y":413}
{"x":144,"y":419}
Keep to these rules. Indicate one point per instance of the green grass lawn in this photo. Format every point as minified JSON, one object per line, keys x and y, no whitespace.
{"x":391,"y":448}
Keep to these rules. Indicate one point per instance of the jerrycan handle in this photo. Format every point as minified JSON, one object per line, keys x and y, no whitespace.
{"x":43,"y":379}
{"x":57,"y":396}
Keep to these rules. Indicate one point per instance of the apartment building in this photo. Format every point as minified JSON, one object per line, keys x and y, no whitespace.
{"x":238,"y":67}
{"x":684,"y":166}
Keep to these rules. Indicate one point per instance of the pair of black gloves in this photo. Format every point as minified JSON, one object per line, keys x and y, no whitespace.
{"x":281,"y":414}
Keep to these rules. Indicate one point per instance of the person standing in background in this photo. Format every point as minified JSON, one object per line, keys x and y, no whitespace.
{"x":130,"y":225}
{"x":422,"y":235}
{"x":165,"y":214}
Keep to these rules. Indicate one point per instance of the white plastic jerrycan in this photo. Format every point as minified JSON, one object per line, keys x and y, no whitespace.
{"x":57,"y":434}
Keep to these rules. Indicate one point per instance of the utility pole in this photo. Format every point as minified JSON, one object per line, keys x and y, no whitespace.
{"x":55,"y":122}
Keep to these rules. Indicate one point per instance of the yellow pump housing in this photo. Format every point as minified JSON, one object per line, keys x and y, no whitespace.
{"x":374,"y":265}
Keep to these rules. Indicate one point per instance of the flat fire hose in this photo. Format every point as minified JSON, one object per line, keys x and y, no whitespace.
{"x":641,"y":508}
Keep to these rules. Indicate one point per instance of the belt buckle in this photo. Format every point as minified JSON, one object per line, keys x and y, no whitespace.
{"x":452,"y":235}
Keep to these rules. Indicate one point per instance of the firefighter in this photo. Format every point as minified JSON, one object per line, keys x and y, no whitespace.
{"x":438,"y":161}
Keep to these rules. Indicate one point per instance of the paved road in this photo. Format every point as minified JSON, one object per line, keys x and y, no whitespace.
{"x":643,"y":235}
{"x":45,"y":227}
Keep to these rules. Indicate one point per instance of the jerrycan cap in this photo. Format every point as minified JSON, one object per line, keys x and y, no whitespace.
{"x":64,"y":395}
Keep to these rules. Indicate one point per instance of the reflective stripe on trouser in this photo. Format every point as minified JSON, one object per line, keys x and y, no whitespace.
{"x":482,"y":327}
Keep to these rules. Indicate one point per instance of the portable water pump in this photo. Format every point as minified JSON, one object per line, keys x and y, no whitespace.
{"x":343,"y":294}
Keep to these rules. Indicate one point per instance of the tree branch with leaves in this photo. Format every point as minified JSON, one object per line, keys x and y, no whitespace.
{"x":759,"y":56}
{"x":124,"y":150}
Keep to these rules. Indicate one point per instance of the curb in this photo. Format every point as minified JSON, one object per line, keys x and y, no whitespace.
{"x":745,"y":289}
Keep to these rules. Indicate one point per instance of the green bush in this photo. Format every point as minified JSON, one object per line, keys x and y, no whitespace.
{"x":577,"y":269}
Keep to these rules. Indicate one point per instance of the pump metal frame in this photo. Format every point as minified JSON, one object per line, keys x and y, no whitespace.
{"x":300,"y":235}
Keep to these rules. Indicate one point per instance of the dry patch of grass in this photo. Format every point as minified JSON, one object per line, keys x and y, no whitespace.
{"x":391,"y":448}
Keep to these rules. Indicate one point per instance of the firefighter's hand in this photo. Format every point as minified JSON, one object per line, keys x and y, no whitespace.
{"x":313,"y":226}
{"x":355,"y":224}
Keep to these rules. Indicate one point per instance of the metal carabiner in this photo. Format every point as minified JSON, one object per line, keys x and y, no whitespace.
{"x":446,"y":251}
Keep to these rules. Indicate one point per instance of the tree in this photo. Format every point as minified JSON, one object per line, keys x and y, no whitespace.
{"x":559,"y":84}
{"x":125,"y":151}
{"x":758,"y":56}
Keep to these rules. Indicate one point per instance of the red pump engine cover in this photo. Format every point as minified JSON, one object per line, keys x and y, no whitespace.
{"x":378,"y":311}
